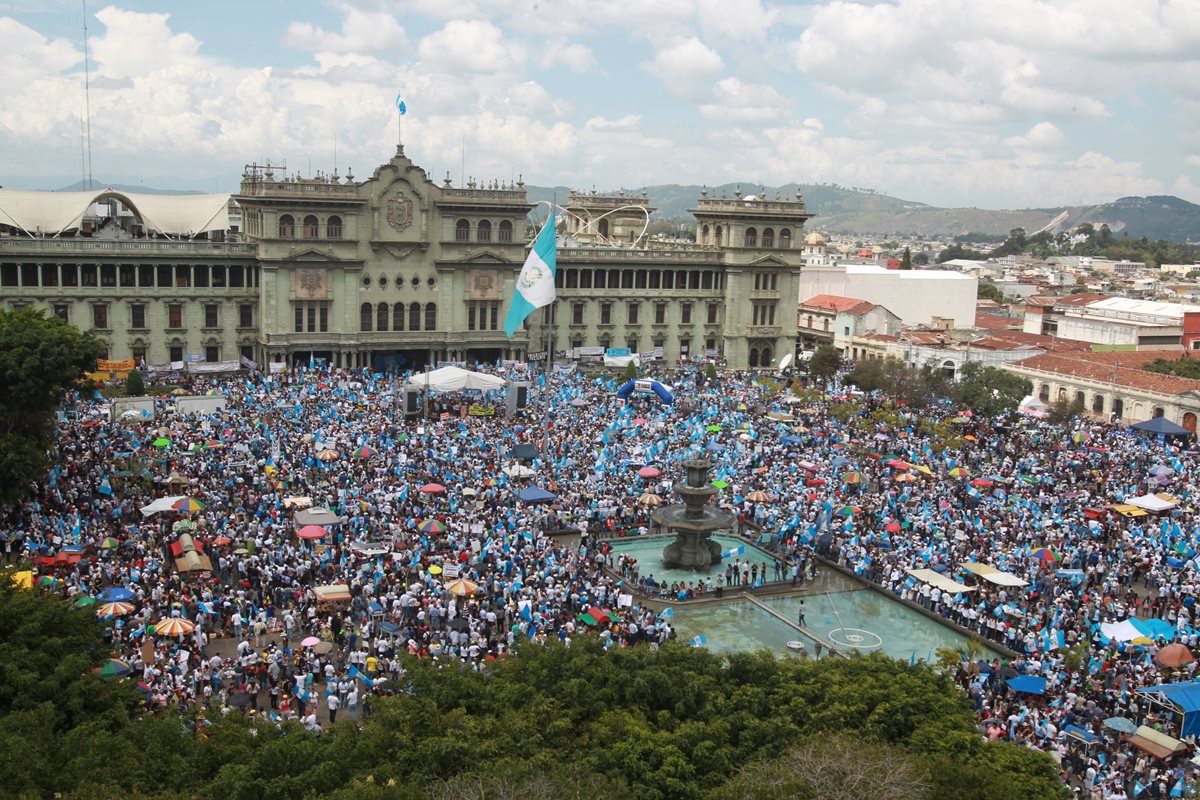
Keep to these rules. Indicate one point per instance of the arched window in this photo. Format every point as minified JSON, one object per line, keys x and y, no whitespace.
{"x":505,"y":231}
{"x":287,"y":227}
{"x":1098,"y":404}
{"x":764,"y":357}
{"x":1044,"y":393}
{"x":333,"y":228}
{"x":785,"y":239}
{"x":810,"y":321}
{"x":483,"y":233}
{"x":825,"y":322}
{"x":431,"y":316}
{"x":398,"y":317}
{"x":365,"y":317}
{"x":602,"y":227}
{"x":719,"y":241}
{"x":1158,"y":412}
{"x":704,"y":235}
{"x":753,"y":357}
{"x":311,"y":226}
{"x":750,"y":238}
{"x":1119,"y":407}
{"x":768,"y":237}
{"x":381,"y":317}
{"x":414,"y":317}
{"x":462,"y":231}
{"x":1062,"y":394}
{"x":1079,"y":398}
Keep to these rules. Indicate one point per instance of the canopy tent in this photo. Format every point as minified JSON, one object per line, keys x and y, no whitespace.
{"x":317,"y":516}
{"x":454,"y":379}
{"x":1182,"y":698}
{"x":536,"y":494}
{"x":162,"y":504}
{"x":1153,"y":502}
{"x":1126,"y":510}
{"x":1028,"y":684}
{"x":55,"y":212}
{"x":1161,"y":425}
{"x":1080,"y":735}
{"x":993,"y":575}
{"x":939,"y":581}
{"x":1155,"y":743}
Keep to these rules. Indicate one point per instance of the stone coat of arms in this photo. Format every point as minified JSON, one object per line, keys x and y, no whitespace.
{"x":400,"y":213}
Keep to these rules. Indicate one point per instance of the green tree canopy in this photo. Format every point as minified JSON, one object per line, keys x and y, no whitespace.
{"x":825,"y":362}
{"x":990,"y":390}
{"x":134,"y":385}
{"x":990,"y":291}
{"x":40,"y":356}
{"x":1185,"y":367}
{"x":906,"y":261}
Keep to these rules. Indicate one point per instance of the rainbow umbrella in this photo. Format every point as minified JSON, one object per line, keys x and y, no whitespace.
{"x":188,"y":505}
{"x":1044,"y":554}
{"x":905,"y":477}
{"x":431,"y":526}
{"x":327,"y":455}
{"x":848,"y":511}
{"x":47,"y":582}
{"x":1080,"y":437}
{"x":759,"y":496}
{"x":114,"y":609}
{"x":853,"y":476}
{"x":365,"y":453}
{"x":174,"y":627}
{"x":109,"y":543}
{"x":115,"y":668}
{"x":461,"y":587}
{"x":960,"y":472}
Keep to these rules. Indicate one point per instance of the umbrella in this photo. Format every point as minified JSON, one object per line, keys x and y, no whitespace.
{"x":322,"y":648}
{"x":847,"y":511}
{"x":815,"y":482}
{"x":458,"y":624}
{"x":327,"y":455}
{"x":905,"y":477}
{"x":432,"y":488}
{"x":1028,"y":684}
{"x":431,"y":526}
{"x":981,"y":483}
{"x":309,"y":641}
{"x":1044,"y":554}
{"x":519,"y":471}
{"x":312,"y":532}
{"x":960,"y":472}
{"x":1174,"y":655}
{"x":650,"y":499}
{"x":853,"y":476}
{"x":114,"y":609}
{"x":713,"y":429}
{"x":638,"y":421}
{"x":239,"y":699}
{"x":1121,"y":725}
{"x":896,"y":463}
{"x":364,"y":453}
{"x":115,"y":594}
{"x":892,"y":527}
{"x":758,"y":496}
{"x":435,"y":569}
{"x":163,"y":442}
{"x":109,"y":543}
{"x":115,"y":668}
{"x":1007,"y":672}
{"x":47,"y":581}
{"x":174,"y":627}
{"x":649,"y":472}
{"x":579,"y":402}
{"x":222,"y":540}
{"x":85,"y":600}
{"x":1161,"y":469}
{"x":1080,"y":437}
{"x":720,"y":484}
{"x":462,"y":587}
{"x":188,"y":505}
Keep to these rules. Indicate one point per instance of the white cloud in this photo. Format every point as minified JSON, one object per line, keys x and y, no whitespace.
{"x":684,"y":65}
{"x":602,"y":124}
{"x":136,"y":43}
{"x":26,"y":55}
{"x":1041,"y":135}
{"x":469,"y":46}
{"x":743,"y":102}
{"x":1193,"y":161}
{"x":362,"y":32}
{"x":748,"y":19}
{"x":572,"y":55}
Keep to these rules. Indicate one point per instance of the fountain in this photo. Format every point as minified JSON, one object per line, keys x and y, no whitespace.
{"x":694,"y":522}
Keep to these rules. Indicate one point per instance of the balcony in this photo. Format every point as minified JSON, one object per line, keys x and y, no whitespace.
{"x":143,"y":247}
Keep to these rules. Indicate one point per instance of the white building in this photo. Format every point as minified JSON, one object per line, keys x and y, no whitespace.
{"x":918,"y":296}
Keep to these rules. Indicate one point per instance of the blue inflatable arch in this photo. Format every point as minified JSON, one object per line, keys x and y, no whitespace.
{"x":646,"y":386}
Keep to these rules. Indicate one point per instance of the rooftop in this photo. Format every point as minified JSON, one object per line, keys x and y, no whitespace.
{"x":1119,"y":369}
{"x":838,"y":304}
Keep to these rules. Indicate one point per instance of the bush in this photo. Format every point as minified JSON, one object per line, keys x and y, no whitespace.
{"x":631,"y":371}
{"x":134,"y":386}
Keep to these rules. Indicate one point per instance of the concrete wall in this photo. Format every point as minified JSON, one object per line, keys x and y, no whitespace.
{"x":916,"y":296}
{"x":199,"y":404}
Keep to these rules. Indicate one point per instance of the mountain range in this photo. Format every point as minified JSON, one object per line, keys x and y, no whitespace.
{"x":838,"y":209}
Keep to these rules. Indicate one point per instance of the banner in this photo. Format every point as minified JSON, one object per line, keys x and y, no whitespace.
{"x":481,"y":411}
{"x":193,"y":357}
{"x":540,"y":355}
{"x":618,"y":352}
{"x":277,"y":366}
{"x":248,"y":364}
{"x":104,"y":365}
{"x":214,"y":366}
{"x":589,"y":351}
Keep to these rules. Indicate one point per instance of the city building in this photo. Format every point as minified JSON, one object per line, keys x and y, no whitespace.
{"x":396,"y":271}
{"x":829,"y":319}
{"x":917,"y":296}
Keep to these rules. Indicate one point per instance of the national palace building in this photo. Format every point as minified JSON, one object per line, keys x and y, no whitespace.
{"x":396,"y":270}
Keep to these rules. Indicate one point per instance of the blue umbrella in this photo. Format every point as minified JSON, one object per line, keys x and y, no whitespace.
{"x":536,"y":494}
{"x":117,"y":594}
{"x":1028,"y":684}
{"x":791,"y":440}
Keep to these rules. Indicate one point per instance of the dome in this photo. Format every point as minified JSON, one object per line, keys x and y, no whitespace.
{"x":814,"y":239}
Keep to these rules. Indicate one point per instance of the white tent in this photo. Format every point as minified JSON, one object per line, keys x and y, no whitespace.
{"x":55,"y":212}
{"x":1151,"y":502}
{"x":455,"y":379}
{"x":161,"y":504}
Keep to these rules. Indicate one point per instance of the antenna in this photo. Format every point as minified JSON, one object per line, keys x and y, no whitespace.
{"x":335,"y":152}
{"x":462,"y":175}
{"x":82,"y":154}
{"x":87,"y":95}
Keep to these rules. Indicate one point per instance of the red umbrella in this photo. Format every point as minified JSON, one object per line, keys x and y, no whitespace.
{"x":896,"y":463}
{"x":892,"y":527}
{"x":312,"y":532}
{"x":639,"y":421}
{"x":433,"y":488}
{"x":222,"y":540}
{"x":1174,"y":655}
{"x":981,"y":482}
{"x":815,"y":482}
{"x":649,"y":472}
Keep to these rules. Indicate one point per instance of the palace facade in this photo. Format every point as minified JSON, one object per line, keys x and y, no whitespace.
{"x":397,"y":271}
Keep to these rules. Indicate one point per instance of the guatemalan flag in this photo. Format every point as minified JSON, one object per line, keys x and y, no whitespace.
{"x":535,"y":284}
{"x":400,"y":105}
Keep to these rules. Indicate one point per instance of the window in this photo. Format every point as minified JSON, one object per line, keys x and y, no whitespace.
{"x":572,"y":279}
{"x":137,"y":315}
{"x":633,"y":314}
{"x":310,"y":227}
{"x":414,"y":317}
{"x":606,"y":313}
{"x":1098,"y":404}
{"x":632,"y":343}
{"x":333,"y":228}
{"x":431,"y":316}
{"x":774,"y":281}
{"x":218,"y":276}
{"x":785,"y":239}
{"x":183,"y":277}
{"x":175,"y":354}
{"x":139,"y":355}
{"x":299,"y":327}
{"x":212,"y":353}
{"x":462,"y":231}
{"x":712,"y":313}
{"x":626,"y":279}
{"x":365,"y":317}
{"x":640,"y":280}
{"x":655,"y":278}
{"x":685,"y":314}
{"x":50,"y":274}
{"x":398,"y":317}
{"x":495,"y":316}
{"x":505,"y":231}
{"x":236,"y":277}
{"x":246,"y":351}
{"x":312,"y":317}
{"x":483,"y":233}
{"x":212,"y":315}
{"x":719,"y":237}
{"x":63,"y":312}
{"x":246,"y":315}
{"x":470,"y":316}
{"x":100,"y":316}
{"x":174,"y":315}
{"x":88,"y":271}
{"x":684,"y":346}
{"x":1158,"y":412}
{"x":108,"y":275}
{"x":381,"y":317}
{"x":383,"y":281}
{"x":602,"y":228}
{"x":576,"y":313}
{"x":750,"y":238}
{"x":324,"y":309}
{"x":704,"y":235}
{"x":706,"y":280}
{"x":70,"y":275}
{"x":287,"y":227}
{"x":768,"y":237}
{"x":660,"y":313}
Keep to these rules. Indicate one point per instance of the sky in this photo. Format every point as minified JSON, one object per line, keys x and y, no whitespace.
{"x":987,"y":103}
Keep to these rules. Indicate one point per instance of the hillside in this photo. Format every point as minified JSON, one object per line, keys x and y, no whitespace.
{"x":842,"y":210}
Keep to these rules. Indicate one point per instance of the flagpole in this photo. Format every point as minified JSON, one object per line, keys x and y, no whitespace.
{"x":552,"y":221}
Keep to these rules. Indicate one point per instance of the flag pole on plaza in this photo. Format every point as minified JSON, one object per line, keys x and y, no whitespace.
{"x":535,"y":283}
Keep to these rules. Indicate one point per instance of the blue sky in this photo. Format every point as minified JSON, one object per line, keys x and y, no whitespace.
{"x":991,"y":103}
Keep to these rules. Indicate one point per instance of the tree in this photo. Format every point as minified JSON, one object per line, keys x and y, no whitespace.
{"x":990,"y":390}
{"x":825,"y":362}
{"x":921,"y":258}
{"x":710,"y":372}
{"x":906,"y":261}
{"x":955,"y":251}
{"x":1183,"y":367}
{"x":630,"y":372}
{"x":1063,"y":411}
{"x":40,"y":357}
{"x":134,"y":387}
{"x":989,"y":291}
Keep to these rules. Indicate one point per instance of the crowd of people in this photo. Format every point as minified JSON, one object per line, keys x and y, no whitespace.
{"x":443,"y":561}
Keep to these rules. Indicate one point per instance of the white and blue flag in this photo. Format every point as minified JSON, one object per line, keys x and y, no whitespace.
{"x":400,"y":106}
{"x":535,"y":284}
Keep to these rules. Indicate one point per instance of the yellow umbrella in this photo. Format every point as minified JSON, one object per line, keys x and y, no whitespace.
{"x":23,"y":579}
{"x":434,"y":569}
{"x":462,"y":587}
{"x":922,"y":469}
